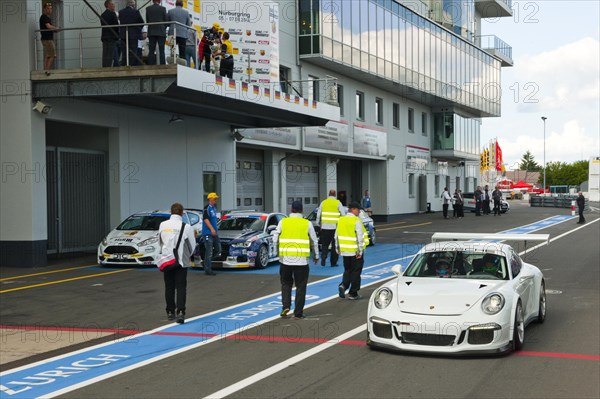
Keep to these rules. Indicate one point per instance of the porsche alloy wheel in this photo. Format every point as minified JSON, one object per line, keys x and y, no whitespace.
{"x":519,"y":328}
{"x":262,"y":257}
{"x":542,"y":305}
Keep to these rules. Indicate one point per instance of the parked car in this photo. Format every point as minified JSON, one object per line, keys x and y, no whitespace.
{"x":469,"y":204}
{"x":246,"y":239}
{"x":459,"y":297}
{"x":366,"y":219}
{"x":135,"y":241}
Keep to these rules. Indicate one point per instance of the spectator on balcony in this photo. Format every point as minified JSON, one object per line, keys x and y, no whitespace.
{"x":109,"y":36}
{"x":178,"y":14}
{"x":156,"y":33}
{"x":130,"y":34}
{"x":191,"y":46}
{"x":48,"y":37}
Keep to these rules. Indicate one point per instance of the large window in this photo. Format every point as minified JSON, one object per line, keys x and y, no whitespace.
{"x":284,"y":76}
{"x":360,"y":105}
{"x":411,"y":185}
{"x":396,"y":115}
{"x":340,"y":98}
{"x":411,"y":120}
{"x":313,"y":88}
{"x":379,"y":110}
{"x":424,"y":123}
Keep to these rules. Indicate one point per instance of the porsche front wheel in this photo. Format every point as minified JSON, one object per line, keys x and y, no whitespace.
{"x":518,"y":329}
{"x":542,"y":305}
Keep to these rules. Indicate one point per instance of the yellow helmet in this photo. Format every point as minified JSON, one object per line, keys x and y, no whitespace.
{"x":212,"y":195}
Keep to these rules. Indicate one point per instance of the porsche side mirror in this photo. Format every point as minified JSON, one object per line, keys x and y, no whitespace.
{"x":397,"y":270}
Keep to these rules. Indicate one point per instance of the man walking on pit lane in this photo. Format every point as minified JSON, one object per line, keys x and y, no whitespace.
{"x":328,"y":214}
{"x":351,"y":239}
{"x":294,"y":236}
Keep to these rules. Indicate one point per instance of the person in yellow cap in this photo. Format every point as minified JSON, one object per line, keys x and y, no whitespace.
{"x":210,"y":38}
{"x":212,"y":244}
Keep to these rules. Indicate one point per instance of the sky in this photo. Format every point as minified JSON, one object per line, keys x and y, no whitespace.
{"x":556,"y":74}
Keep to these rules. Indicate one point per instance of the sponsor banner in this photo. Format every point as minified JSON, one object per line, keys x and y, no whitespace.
{"x":369,"y":141}
{"x":282,"y":135}
{"x":333,"y":136}
{"x":417,"y":152}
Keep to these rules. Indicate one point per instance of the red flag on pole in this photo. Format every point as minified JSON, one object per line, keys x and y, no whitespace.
{"x":499,"y":165}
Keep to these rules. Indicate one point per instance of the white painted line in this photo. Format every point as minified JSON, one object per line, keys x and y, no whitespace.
{"x":286,"y":363}
{"x":557,"y":237}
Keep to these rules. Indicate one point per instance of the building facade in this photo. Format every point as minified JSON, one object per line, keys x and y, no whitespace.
{"x":381,"y":95}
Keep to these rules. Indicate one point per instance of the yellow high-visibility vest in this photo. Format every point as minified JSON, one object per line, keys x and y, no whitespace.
{"x":346,"y":233}
{"x":330,"y":214}
{"x":294,"y":240}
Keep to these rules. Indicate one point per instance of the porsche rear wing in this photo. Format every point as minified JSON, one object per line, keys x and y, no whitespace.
{"x":490,"y":237}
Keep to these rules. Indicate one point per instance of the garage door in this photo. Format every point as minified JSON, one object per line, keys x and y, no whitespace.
{"x":302,"y":181}
{"x":250,"y":179}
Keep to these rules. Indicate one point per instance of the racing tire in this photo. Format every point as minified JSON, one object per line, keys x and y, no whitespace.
{"x":518,"y":329}
{"x":373,"y":238}
{"x":262,"y":257}
{"x":542,"y":304}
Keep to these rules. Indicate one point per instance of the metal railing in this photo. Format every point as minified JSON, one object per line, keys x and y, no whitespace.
{"x":493,"y":42}
{"x":81,"y":47}
{"x":321,"y":90}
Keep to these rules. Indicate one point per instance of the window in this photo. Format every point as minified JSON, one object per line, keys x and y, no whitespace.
{"x":424,"y":123}
{"x":411,"y":185}
{"x":313,"y":88}
{"x":411,"y":120}
{"x":360,"y":105}
{"x":379,"y":110}
{"x":340,"y":98}
{"x":458,"y":182}
{"x":437,"y":184}
{"x":284,"y":76}
{"x":515,"y":264}
{"x":396,"y":115}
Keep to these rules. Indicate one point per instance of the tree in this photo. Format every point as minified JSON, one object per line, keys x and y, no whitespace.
{"x":528,"y":163}
{"x":564,"y":174}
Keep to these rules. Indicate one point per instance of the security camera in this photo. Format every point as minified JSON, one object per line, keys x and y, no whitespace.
{"x":42,"y":108}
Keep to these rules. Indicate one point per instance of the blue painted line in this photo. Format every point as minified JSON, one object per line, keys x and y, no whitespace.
{"x":71,"y":371}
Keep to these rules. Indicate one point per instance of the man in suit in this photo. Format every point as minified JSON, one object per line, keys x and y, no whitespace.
{"x":178,"y":14}
{"x":109,"y":36}
{"x":131,"y":34}
{"x":156,"y":33}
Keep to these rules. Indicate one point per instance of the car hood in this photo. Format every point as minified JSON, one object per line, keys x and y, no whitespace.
{"x":237,"y":235}
{"x":125,"y":237}
{"x":441,"y":296}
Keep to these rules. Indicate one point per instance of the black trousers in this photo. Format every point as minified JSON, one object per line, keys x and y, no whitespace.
{"x":581,"y":218}
{"x":352,"y":270}
{"x":288,"y":276}
{"x":108,"y":53}
{"x":206,"y":58}
{"x":497,"y":207}
{"x":327,"y":239}
{"x":486,"y":207}
{"x":445,"y":210}
{"x":477,"y":208}
{"x":460,"y":212}
{"x":176,"y":280}
{"x":152,"y":42}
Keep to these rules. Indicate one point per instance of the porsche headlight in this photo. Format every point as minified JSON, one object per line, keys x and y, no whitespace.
{"x":493,"y":303}
{"x":383,"y":298}
{"x":149,"y":241}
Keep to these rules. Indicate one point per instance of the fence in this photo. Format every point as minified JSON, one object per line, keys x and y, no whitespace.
{"x":563,"y":201}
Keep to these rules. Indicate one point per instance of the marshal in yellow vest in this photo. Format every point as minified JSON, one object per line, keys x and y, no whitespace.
{"x":294,"y":240}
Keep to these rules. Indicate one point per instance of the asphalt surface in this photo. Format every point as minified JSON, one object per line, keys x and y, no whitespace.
{"x":560,"y":359}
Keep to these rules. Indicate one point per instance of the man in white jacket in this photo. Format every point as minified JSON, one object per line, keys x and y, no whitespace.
{"x":176,"y":279}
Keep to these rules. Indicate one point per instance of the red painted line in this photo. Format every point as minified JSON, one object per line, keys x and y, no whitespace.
{"x":71,"y":329}
{"x":559,"y":355}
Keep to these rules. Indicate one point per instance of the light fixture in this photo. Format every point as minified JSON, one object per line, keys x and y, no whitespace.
{"x":390,"y":157}
{"x":237,"y":136}
{"x":42,"y":108}
{"x":175,"y":119}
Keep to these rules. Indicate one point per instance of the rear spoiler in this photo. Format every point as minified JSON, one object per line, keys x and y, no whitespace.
{"x":490,"y":237}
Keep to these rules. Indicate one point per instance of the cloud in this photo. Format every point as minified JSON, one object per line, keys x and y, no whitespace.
{"x":567,"y":75}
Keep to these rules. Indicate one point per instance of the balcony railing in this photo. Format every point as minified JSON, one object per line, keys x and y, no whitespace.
{"x":81,"y":47}
{"x":496,"y":47}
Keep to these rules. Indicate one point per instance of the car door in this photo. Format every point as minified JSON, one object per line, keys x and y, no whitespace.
{"x":273,"y":220}
{"x":523,"y":280}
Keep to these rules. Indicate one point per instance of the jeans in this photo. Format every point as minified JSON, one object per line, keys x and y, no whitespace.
{"x":288,"y":276}
{"x":176,"y":280}
{"x":352,"y":270}
{"x":190,"y":54}
{"x":152,"y":42}
{"x":212,"y":248}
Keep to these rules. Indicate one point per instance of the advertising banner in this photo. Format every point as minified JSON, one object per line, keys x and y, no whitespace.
{"x":333,"y":136}
{"x":369,"y":141}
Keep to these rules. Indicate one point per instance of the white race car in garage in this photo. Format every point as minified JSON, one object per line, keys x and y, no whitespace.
{"x":459,"y":297}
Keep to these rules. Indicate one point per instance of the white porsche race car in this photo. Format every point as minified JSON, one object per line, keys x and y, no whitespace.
{"x":459,"y":297}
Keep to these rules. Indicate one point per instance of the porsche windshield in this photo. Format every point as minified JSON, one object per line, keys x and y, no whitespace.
{"x":142,"y":222}
{"x":242,"y":223}
{"x":458,"y":264}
